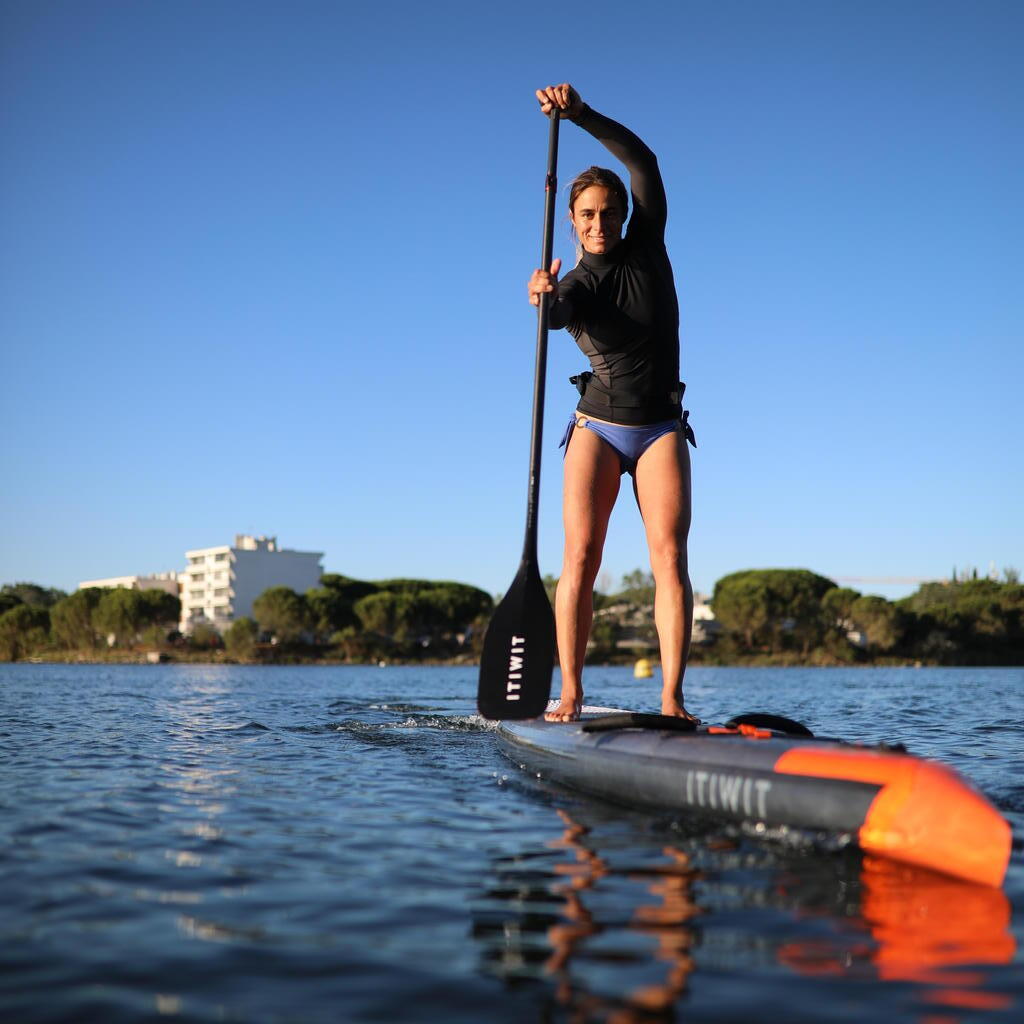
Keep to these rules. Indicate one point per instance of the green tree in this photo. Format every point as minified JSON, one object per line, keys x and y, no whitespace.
{"x":205,"y":637}
{"x":837,"y":602}
{"x":638,"y":586}
{"x":332,"y":607}
{"x":23,"y":630}
{"x":329,"y":611}
{"x":159,"y":608}
{"x":240,"y":638}
{"x":743,"y":605}
{"x":800,"y":592}
{"x":449,"y":607}
{"x":934,"y":598}
{"x":879,"y":621}
{"x":773,"y":607}
{"x":402,"y":608}
{"x":71,"y":619}
{"x":974,"y":621}
{"x":387,"y":613}
{"x":348,"y":587}
{"x":414,"y":609}
{"x":359,"y":646}
{"x":33,"y":594}
{"x":121,"y":613}
{"x":282,"y":613}
{"x":605,"y":635}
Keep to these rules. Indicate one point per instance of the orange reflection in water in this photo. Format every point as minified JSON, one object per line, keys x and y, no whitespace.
{"x":926,"y":928}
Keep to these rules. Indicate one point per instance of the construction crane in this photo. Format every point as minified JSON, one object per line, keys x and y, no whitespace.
{"x":887,"y":579}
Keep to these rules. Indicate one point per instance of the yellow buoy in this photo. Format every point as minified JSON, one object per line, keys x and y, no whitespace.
{"x":642,"y":669}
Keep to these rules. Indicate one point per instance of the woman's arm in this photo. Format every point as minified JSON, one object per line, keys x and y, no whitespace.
{"x":645,"y":182}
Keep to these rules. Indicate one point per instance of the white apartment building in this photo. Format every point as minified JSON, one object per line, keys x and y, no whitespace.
{"x":705,"y":626}
{"x":702,"y":611}
{"x":220,"y":584}
{"x":157,"y":581}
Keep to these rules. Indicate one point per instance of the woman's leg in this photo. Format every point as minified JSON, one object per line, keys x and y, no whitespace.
{"x":589,"y":491}
{"x":663,"y":494}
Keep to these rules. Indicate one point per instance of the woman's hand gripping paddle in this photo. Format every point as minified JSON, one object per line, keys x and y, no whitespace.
{"x":519,"y":648}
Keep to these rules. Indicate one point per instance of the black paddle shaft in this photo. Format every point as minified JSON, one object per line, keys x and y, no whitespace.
{"x":540,"y":371}
{"x":519,"y":649}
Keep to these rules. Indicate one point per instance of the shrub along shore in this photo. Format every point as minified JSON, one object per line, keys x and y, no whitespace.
{"x":761,"y":617}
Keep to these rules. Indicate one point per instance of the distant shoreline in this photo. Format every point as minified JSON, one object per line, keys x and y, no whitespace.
{"x":779,"y":660}
{"x":757,"y":617}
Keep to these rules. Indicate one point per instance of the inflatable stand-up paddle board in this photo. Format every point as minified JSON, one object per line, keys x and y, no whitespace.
{"x":767,"y":769}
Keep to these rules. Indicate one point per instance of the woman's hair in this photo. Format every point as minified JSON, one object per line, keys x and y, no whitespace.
{"x":599,"y":176}
{"x":596,"y":176}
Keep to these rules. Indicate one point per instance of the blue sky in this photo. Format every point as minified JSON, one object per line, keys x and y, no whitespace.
{"x":263,"y":264}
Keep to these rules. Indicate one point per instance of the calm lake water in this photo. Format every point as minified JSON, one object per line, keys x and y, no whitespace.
{"x":347,"y":844}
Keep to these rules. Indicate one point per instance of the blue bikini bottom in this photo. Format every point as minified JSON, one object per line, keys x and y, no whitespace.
{"x":629,"y":443}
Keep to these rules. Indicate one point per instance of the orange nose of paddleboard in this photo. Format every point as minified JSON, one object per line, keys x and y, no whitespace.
{"x":924,"y":814}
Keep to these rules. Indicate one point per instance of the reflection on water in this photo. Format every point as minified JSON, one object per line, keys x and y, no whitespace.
{"x":620,"y":928}
{"x":546,"y":918}
{"x":669,"y":885}
{"x":200,"y":791}
{"x":298,"y":844}
{"x":928,"y":928}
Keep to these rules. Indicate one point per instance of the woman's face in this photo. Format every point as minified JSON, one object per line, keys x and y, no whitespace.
{"x":597,"y":218}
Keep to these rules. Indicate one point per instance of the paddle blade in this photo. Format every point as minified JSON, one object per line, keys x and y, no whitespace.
{"x":519,"y":651}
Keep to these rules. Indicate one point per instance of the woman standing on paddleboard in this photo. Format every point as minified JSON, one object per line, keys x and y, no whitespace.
{"x":619,"y":303}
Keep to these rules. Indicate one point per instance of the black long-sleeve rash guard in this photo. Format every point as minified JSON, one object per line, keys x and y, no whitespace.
{"x":621,"y":306}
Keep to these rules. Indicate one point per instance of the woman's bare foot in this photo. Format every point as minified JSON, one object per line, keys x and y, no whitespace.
{"x":568,"y":710}
{"x":673,"y":707}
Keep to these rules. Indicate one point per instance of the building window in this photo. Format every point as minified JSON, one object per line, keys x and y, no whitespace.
{"x":220,"y":557}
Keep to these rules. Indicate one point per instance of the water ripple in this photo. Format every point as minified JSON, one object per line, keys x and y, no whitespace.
{"x":221,"y":842}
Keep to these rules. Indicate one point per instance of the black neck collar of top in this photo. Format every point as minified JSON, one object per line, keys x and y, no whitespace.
{"x":604,"y":259}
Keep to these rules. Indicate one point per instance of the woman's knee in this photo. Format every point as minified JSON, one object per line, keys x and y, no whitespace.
{"x":582,"y":560}
{"x":668,"y":559}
